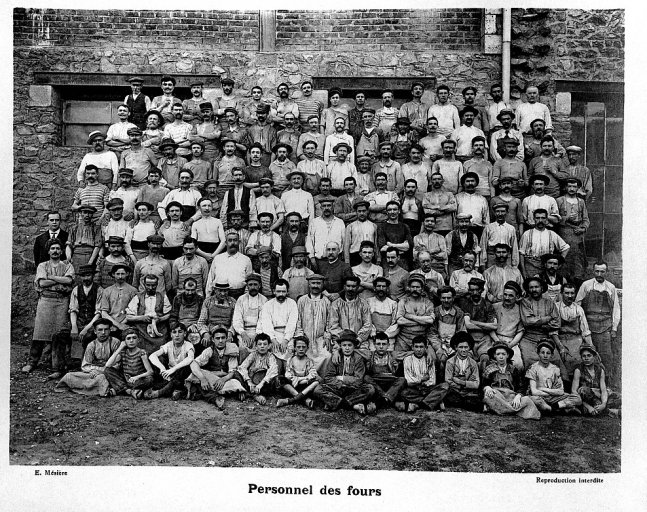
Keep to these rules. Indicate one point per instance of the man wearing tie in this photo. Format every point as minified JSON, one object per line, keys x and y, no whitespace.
{"x":53,"y":231}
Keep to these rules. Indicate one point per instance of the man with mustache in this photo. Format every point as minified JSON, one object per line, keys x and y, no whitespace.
{"x":479,"y":165}
{"x":465,"y":134}
{"x":164,"y":103}
{"x":285,"y":105}
{"x":386,"y":117}
{"x":470,"y":203}
{"x":105,"y":161}
{"x":179,"y":131}
{"x":537,"y":242}
{"x":263,"y":133}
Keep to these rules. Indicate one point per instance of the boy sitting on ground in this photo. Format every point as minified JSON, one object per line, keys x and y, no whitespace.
{"x":589,"y":382}
{"x":301,"y":377}
{"x":462,"y":374}
{"x":382,"y":373}
{"x":420,"y":376}
{"x":259,"y":371}
{"x":128,"y":370}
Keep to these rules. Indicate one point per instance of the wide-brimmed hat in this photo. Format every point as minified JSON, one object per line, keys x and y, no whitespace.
{"x":144,"y":203}
{"x":295,"y":173}
{"x":492,"y":350}
{"x":541,"y":177}
{"x":222,"y":286}
{"x":168,"y":142}
{"x":287,"y":147}
{"x":134,"y":131}
{"x":590,"y":348}
{"x":87,"y":208}
{"x":574,"y":148}
{"x":348,"y":335}
{"x":299,"y":249}
{"x":470,"y":175}
{"x":93,"y":135}
{"x":341,"y":145}
{"x":468,"y":108}
{"x":505,"y":111}
{"x":154,"y":112}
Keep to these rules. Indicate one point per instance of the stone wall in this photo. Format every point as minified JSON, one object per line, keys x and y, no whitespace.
{"x":380,"y":30}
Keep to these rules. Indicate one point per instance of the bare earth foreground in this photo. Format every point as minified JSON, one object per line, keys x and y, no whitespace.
{"x":57,"y":429}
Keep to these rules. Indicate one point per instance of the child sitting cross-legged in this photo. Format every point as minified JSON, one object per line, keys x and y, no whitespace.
{"x":259,"y":371}
{"x":382,"y":373}
{"x":301,"y":377}
{"x":589,"y":382}
{"x":128,"y":370}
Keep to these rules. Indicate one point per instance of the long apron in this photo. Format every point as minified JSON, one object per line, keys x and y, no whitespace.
{"x":599,"y":310}
{"x":81,"y":255}
{"x":51,"y":317}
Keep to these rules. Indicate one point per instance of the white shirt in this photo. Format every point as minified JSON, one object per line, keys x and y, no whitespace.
{"x":527,"y":112}
{"x":463,"y":136}
{"x":592,"y":284}
{"x":279,"y":322}
{"x":332,"y":140}
{"x":104,"y":160}
{"x":300,"y":201}
{"x":535,"y":202}
{"x":149,"y":305}
{"x":188,"y":197}
{"x":339,"y":171}
{"x":474,"y":204}
{"x":322,"y":232}
{"x":233,"y":270}
{"x":447,"y":115}
{"x":119,"y":131}
{"x":535,"y":243}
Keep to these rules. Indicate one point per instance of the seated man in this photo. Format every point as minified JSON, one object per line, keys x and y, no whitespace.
{"x":258,"y":373}
{"x":128,"y":370}
{"x":382,"y":373}
{"x":301,"y":377}
{"x":344,"y":379}
{"x":148,"y":312}
{"x":217,"y":311}
{"x":462,"y":374}
{"x":420,"y":376}
{"x":178,"y":354}
{"x":187,"y":305}
{"x":214,"y":370}
{"x":546,"y":385}
{"x":448,"y":320}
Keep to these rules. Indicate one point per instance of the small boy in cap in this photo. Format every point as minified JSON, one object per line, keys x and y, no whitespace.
{"x":546,"y":385}
{"x":258,"y":373}
{"x":297,"y":275}
{"x":462,"y":374}
{"x":344,"y":378}
{"x":301,"y":378}
{"x":383,"y":373}
{"x":590,"y":383}
{"x":581,"y":172}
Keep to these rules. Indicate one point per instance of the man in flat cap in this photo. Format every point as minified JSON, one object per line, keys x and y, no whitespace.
{"x":481,"y":119}
{"x":473,"y":204}
{"x":93,"y":194}
{"x":339,"y":136}
{"x":444,"y":111}
{"x":464,"y":134}
{"x":581,"y":172}
{"x":297,"y":274}
{"x":137,"y":158}
{"x":85,"y":240}
{"x":179,"y":131}
{"x":105,"y":161}
{"x":312,"y":134}
{"x":402,"y":139}
{"x":191,"y":108}
{"x":228,"y":99}
{"x":308,"y":106}
{"x":164,"y":103}
{"x":290,"y":135}
{"x":572,"y":227}
{"x":117,"y":137}
{"x":217,"y":312}
{"x":530,"y":110}
{"x":314,"y":320}
{"x":416,"y":109}
{"x":170,"y":164}
{"x":479,"y":165}
{"x":154,"y":264}
{"x":293,"y":235}
{"x":367,"y":135}
{"x":247,"y":312}
{"x":137,"y":102}
{"x":497,"y":147}
{"x":480,"y":319}
{"x":263,"y":133}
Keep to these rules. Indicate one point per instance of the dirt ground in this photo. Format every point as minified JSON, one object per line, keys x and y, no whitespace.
{"x":57,"y":429}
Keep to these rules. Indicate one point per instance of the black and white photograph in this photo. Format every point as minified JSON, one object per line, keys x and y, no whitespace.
{"x":376,"y":238}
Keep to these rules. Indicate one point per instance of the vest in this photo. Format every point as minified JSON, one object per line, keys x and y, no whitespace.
{"x":217,"y":363}
{"x":87,"y":304}
{"x":137,"y":109}
{"x":458,"y":249}
{"x":221,"y":314}
{"x":244,"y":200}
{"x":159,"y":304}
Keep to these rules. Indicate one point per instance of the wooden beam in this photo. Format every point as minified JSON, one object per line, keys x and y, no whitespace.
{"x":61,"y":78}
{"x":267,"y":28}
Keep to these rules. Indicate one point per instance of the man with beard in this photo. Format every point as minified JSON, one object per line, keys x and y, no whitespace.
{"x":358,"y":231}
{"x":339,"y":138}
{"x":538,"y":241}
{"x":578,"y":171}
{"x":444,"y":111}
{"x":539,"y":200}
{"x":500,"y":232}
{"x":256,"y":171}
{"x":386,"y":117}
{"x":479,"y":165}
{"x":190,"y":266}
{"x":164,"y":103}
{"x":187,"y":305}
{"x":187,"y":196}
{"x":290,"y":135}
{"x":532,"y":148}
{"x":285,"y":105}
{"x":281,"y":167}
{"x":433,"y":279}
{"x":500,"y":273}
{"x":117,"y":137}
{"x":206,"y":132}
{"x":228,"y":100}
{"x":499,"y":138}
{"x":394,"y":233}
{"x":308,"y":106}
{"x":279,"y":320}
{"x":217,"y":312}
{"x":105,"y":161}
{"x":496,"y":106}
{"x":402,"y":139}
{"x":552,"y":276}
{"x":154,"y":264}
{"x":599,"y":300}
{"x":367,"y":136}
{"x":137,"y":158}
{"x":379,"y":198}
{"x":470,"y":203}
{"x":459,"y":279}
{"x":335,"y":270}
{"x":323,"y":230}
{"x":549,"y":165}
{"x":417,"y":169}
{"x":441,"y":204}
{"x":170,"y":164}
{"x":540,"y":319}
{"x":247,"y":312}
{"x":126,"y":192}
{"x":264,"y":237}
{"x":389,"y":167}
{"x":481,"y":118}
{"x":116,"y":298}
{"x":231,"y":267}
{"x":239,"y":197}
{"x":396,"y":274}
{"x":343,"y":207}
{"x":465,"y":134}
{"x":349,"y":311}
{"x":234,"y":131}
{"x":509,"y":326}
{"x":480,"y":319}
{"x":191,"y":107}
{"x":511,"y":204}
{"x":314,"y":320}
{"x":116,"y":225}
{"x":432,"y":142}
{"x":269,"y":203}
{"x":298,"y":200}
{"x":312,"y":134}
{"x":450,"y":168}
{"x":429,"y":240}
{"x":530,"y":110}
{"x":93,"y":194}
{"x":179,"y":131}
{"x":415,"y":315}
{"x":292,"y":236}
{"x":263,"y":133}
{"x":249,"y":110}
{"x":297,"y":275}
{"x":85,"y":241}
{"x":148,"y":312}
{"x":574,"y":329}
{"x":355,"y":121}
{"x":235,"y":226}
{"x":459,"y":241}
{"x":416,"y":110}
{"x":383,"y":311}
{"x":448,"y":320}
{"x":200,"y":167}
{"x":572,"y":227}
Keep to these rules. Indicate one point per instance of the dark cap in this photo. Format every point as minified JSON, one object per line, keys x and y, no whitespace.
{"x":155,"y":238}
{"x":115,"y":202}
{"x":134,"y":131}
{"x":116,"y":240}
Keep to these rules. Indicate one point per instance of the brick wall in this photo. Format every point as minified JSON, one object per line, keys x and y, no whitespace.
{"x":228,"y":30}
{"x":447,"y":30}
